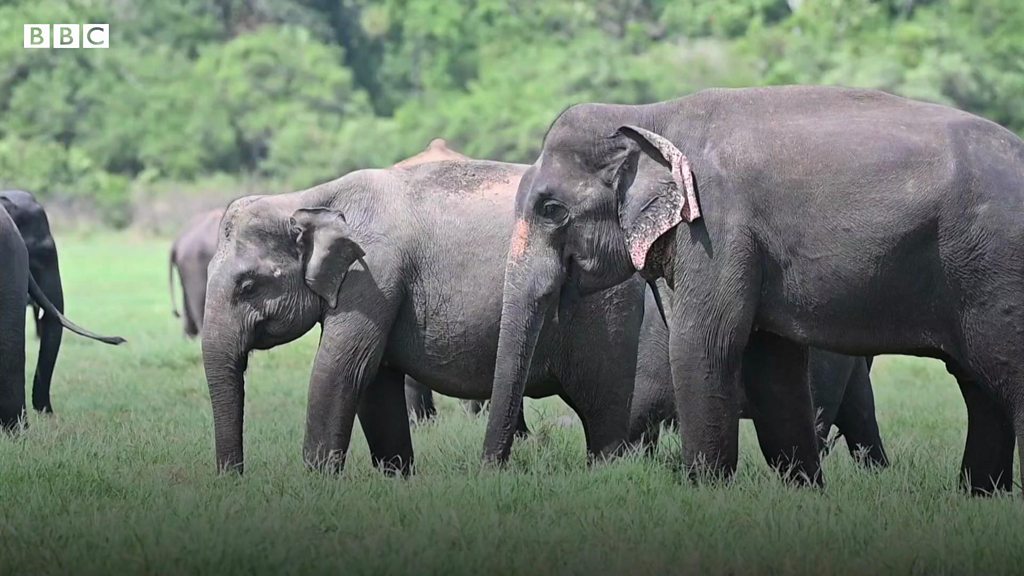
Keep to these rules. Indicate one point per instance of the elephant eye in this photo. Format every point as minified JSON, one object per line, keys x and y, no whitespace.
{"x":554,"y":211}
{"x":246,"y":283}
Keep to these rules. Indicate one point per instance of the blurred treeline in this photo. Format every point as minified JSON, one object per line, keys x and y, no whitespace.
{"x":201,"y":94}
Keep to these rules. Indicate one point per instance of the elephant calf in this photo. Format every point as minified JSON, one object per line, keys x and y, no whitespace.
{"x":840,"y":387}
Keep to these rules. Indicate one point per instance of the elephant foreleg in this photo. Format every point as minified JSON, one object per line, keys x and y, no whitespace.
{"x":384,"y":417}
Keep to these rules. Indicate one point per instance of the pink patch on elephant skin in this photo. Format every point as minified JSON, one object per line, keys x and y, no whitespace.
{"x":520,"y":238}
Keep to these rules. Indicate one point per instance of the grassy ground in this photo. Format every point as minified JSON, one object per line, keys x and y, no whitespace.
{"x":121,"y":479}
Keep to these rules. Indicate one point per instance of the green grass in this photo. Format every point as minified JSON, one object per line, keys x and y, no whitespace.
{"x":121,"y":479}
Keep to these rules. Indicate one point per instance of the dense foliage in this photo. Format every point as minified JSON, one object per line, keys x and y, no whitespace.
{"x":300,"y":91}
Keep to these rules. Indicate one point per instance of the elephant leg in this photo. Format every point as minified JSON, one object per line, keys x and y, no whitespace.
{"x":12,"y":350}
{"x":647,"y":412}
{"x":522,"y":430}
{"x":51,"y":334}
{"x":987,"y":464}
{"x":605,"y":422}
{"x":351,"y":348}
{"x":419,"y":400}
{"x":856,"y":419}
{"x":196,"y":302}
{"x":779,"y":397}
{"x":475,"y":407}
{"x":342,"y":368}
{"x":37,"y":316}
{"x":385,"y":420}
{"x":190,"y":326}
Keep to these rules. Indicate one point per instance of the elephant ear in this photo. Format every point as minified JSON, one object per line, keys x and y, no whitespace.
{"x":326,"y":248}
{"x":652,"y":203}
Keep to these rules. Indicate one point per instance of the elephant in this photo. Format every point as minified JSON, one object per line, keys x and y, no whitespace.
{"x":17,"y":285}
{"x":403,"y":269}
{"x":190,"y":255}
{"x":840,"y":388}
{"x":193,"y":249}
{"x":786,"y":217}
{"x":30,"y":219}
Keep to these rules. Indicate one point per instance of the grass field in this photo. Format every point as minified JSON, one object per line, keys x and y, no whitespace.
{"x":121,"y":479}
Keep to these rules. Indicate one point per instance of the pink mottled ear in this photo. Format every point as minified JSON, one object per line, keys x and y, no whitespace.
{"x":661,"y":207}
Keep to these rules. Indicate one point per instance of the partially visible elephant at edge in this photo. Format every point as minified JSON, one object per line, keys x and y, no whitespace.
{"x":30,"y":218}
{"x":17,"y":286}
{"x":191,"y":253}
{"x":840,"y":388}
{"x":403,"y":269}
{"x":784,"y":217}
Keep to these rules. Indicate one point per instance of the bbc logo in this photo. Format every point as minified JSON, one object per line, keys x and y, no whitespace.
{"x":67,"y":36}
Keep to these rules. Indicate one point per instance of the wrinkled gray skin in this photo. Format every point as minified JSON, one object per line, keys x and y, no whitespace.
{"x":849,"y":220}
{"x":191,"y":253}
{"x":403,"y":270}
{"x":30,"y":218}
{"x":840,"y":388}
{"x":16,"y":287}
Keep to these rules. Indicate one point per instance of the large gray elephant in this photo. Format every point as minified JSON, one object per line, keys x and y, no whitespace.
{"x":33,"y":225}
{"x":785,"y":217}
{"x":17,"y":285}
{"x":840,"y":388}
{"x":191,"y":253}
{"x":403,"y":270}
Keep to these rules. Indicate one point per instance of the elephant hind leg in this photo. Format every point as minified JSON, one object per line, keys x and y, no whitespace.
{"x":987,"y":465}
{"x":856,"y":419}
{"x":779,"y":397}
{"x":12,"y":357}
{"x":51,"y":334}
{"x":191,"y":328}
{"x":384,"y":417}
{"x":419,"y":400}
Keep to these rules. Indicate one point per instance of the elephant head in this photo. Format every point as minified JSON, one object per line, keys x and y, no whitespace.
{"x":595,"y":208}
{"x":277,"y":271}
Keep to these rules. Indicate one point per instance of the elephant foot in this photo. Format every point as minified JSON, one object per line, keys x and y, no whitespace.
{"x":13,"y":426}
{"x":328,"y":462}
{"x":395,"y":466}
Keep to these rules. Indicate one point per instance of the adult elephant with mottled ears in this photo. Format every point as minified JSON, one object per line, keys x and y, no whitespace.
{"x":786,"y":217}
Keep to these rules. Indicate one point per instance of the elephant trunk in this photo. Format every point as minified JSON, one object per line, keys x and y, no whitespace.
{"x":224,"y":359}
{"x":531,"y":282}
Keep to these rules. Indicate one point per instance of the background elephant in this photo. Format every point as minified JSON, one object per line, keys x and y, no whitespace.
{"x":840,"y":388}
{"x":16,"y":286}
{"x":190,"y":256}
{"x":403,"y":269}
{"x":30,"y":218}
{"x":845,"y":219}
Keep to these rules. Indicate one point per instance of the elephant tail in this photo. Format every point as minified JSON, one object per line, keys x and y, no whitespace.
{"x":37,"y":294}
{"x":170,"y":281}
